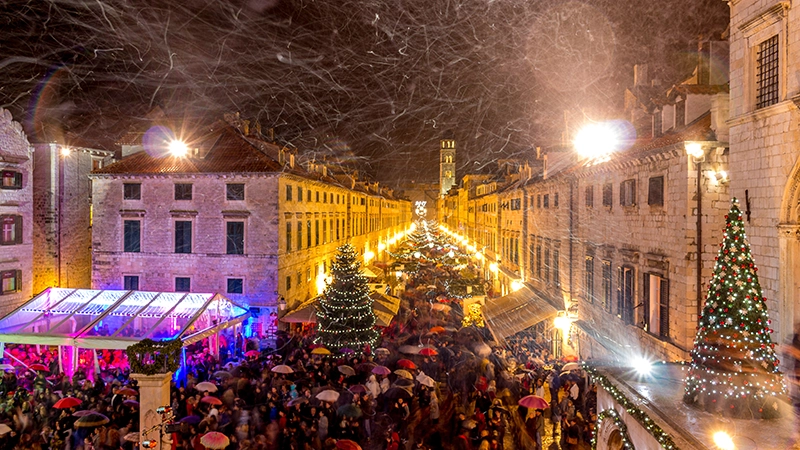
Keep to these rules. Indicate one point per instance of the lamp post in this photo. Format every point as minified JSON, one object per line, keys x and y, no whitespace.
{"x":697,"y":155}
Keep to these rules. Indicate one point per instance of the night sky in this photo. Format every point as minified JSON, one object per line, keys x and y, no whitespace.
{"x":372,"y":81}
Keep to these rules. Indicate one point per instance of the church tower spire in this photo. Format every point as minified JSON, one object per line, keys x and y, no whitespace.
{"x":447,"y":163}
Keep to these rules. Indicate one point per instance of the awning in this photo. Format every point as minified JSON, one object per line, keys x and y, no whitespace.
{"x":384,"y":306}
{"x":515,"y":312}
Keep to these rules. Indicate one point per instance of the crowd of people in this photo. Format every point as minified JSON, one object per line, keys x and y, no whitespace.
{"x":430,"y":385}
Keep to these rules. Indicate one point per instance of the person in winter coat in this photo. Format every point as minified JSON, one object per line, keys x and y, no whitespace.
{"x":373,"y":386}
{"x":434,"y":414}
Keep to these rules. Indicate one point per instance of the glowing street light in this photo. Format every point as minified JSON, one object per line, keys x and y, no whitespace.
{"x":368,"y":255}
{"x":597,"y":140}
{"x":723,"y":441}
{"x":642,"y":365}
{"x":516,"y":285}
{"x":694,"y":149}
{"x":66,"y":151}
{"x":178,"y":148}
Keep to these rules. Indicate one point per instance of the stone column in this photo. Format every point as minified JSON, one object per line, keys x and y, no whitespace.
{"x":153,"y":394}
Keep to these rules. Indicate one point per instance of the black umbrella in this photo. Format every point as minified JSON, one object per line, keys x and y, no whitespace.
{"x":402,"y":382}
{"x":397,"y":392}
{"x":95,"y":419}
{"x":350,"y":410}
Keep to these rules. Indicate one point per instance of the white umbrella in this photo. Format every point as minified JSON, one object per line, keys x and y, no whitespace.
{"x":4,"y":428}
{"x":206,"y":386}
{"x":6,"y":367}
{"x":425,"y":380}
{"x":282,"y":368}
{"x":328,"y":396}
{"x":571,"y":366}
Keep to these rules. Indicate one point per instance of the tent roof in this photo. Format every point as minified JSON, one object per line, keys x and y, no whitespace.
{"x":516,"y":311}
{"x":384,"y":306}
{"x":115,"y":319}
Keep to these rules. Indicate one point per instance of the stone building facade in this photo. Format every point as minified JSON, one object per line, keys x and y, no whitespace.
{"x":764,"y":167}
{"x":16,"y":215}
{"x":62,"y":195}
{"x":235,"y":216}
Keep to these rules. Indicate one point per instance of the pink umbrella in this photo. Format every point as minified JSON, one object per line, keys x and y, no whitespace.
{"x":533,"y":401}
{"x":211,"y":400}
{"x":381,"y":370}
{"x":215,"y":440}
{"x":252,"y":353}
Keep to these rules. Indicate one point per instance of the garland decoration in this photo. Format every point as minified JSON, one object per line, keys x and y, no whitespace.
{"x":656,"y":431}
{"x":623,"y":429}
{"x":151,"y":357}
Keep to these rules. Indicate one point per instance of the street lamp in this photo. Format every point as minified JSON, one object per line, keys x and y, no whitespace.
{"x":596,"y":140}
{"x":282,"y":303}
{"x":178,"y":148}
{"x":697,"y":154}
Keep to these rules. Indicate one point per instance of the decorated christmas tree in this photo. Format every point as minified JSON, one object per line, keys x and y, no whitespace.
{"x":734,"y":368}
{"x":345,"y":318}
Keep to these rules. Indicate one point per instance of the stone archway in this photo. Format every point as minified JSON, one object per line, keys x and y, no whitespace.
{"x":614,"y":441}
{"x":789,"y":257}
{"x":611,"y":433}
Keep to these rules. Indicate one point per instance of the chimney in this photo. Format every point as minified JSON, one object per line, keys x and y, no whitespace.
{"x":640,"y":75}
{"x":702,"y":61}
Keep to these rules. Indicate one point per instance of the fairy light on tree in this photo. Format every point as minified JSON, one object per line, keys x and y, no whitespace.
{"x":734,"y":367}
{"x":345,"y":318}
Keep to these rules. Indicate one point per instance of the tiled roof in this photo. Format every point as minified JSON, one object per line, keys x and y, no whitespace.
{"x":225,"y":150}
{"x":697,"y":89}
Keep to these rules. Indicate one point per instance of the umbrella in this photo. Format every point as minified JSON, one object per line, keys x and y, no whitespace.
{"x":441,"y":307}
{"x":533,"y":401}
{"x":347,"y":444}
{"x":425,"y":380}
{"x":67,"y":402}
{"x":4,"y":428}
{"x":571,"y":366}
{"x":131,"y":403}
{"x":252,"y":353}
{"x":221,"y":374}
{"x":366,"y":366}
{"x":39,"y":367}
{"x":409,"y":349}
{"x":282,"y":368}
{"x":427,"y":351}
{"x":358,"y":389}
{"x":206,"y":386}
{"x":297,"y":401}
{"x":82,"y":413}
{"x":394,"y":393}
{"x":215,"y":440}
{"x":404,"y":383}
{"x":404,"y":374}
{"x":483,"y":350}
{"x":469,"y":424}
{"x":350,"y":410}
{"x":132,"y":437}
{"x":126,"y":392}
{"x":437,"y":329}
{"x":328,"y":396}
{"x":5,"y":367}
{"x":320,"y":351}
{"x":381,"y":370}
{"x":347,"y":350}
{"x":406,"y":364}
{"x":191,"y":420}
{"x":211,"y":400}
{"x":95,"y":419}
{"x":382,"y":350}
{"x":347,"y":370}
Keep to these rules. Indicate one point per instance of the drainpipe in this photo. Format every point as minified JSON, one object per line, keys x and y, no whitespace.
{"x":698,"y":164}
{"x":572,"y":232}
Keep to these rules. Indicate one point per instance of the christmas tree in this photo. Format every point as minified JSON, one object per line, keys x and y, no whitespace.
{"x":734,"y":367}
{"x":345,"y":318}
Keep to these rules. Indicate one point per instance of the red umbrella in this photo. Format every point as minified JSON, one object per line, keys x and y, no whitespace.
{"x":67,"y":402}
{"x":427,"y":351}
{"x":406,"y":364}
{"x":211,"y":400}
{"x":252,"y":353}
{"x":39,"y":367}
{"x":437,"y":329}
{"x":347,"y":444}
{"x":215,"y":440}
{"x":533,"y":401}
{"x":126,"y":392}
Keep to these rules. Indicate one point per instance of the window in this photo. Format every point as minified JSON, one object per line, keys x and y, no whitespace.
{"x":589,"y":196}
{"x":539,"y":261}
{"x":324,"y":231}
{"x":767,"y":73}
{"x":547,"y":265}
{"x":607,"y":285}
{"x":299,"y":234}
{"x":299,"y":194}
{"x":555,"y":200}
{"x":11,"y":229}
{"x":235,"y":286}
{"x":234,"y":191}
{"x":627,"y":193}
{"x":556,"y":274}
{"x":130,"y":282}
{"x":588,"y":280}
{"x":656,"y":304}
{"x":515,"y":204}
{"x":289,"y":283}
{"x":608,"y":193}
{"x":288,"y":193}
{"x":183,"y":284}
{"x":288,"y":236}
{"x":183,"y":191}
{"x":131,"y":191}
{"x":235,"y":238}
{"x":324,"y":197}
{"x":11,"y":179}
{"x":132,"y":236}
{"x":10,"y":281}
{"x":316,"y":231}
{"x":655,"y":191}
{"x":538,"y":201}
{"x":183,"y":236}
{"x":308,"y":195}
{"x":308,"y":233}
{"x":317,"y":196}
{"x":546,"y":201}
{"x":625,"y":295}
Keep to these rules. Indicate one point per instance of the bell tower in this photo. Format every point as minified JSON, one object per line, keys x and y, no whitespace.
{"x":447,"y":163}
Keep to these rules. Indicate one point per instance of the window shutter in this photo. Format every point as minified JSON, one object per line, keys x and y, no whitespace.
{"x":646,"y":302}
{"x":18,"y":229}
{"x":18,"y":180}
{"x":663,"y":313}
{"x":620,"y":284}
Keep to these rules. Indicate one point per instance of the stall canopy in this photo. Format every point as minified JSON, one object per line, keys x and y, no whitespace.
{"x":384,"y":306}
{"x":515,"y":312}
{"x":110,"y":319}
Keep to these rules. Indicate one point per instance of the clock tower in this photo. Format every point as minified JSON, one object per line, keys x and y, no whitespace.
{"x":447,"y":163}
